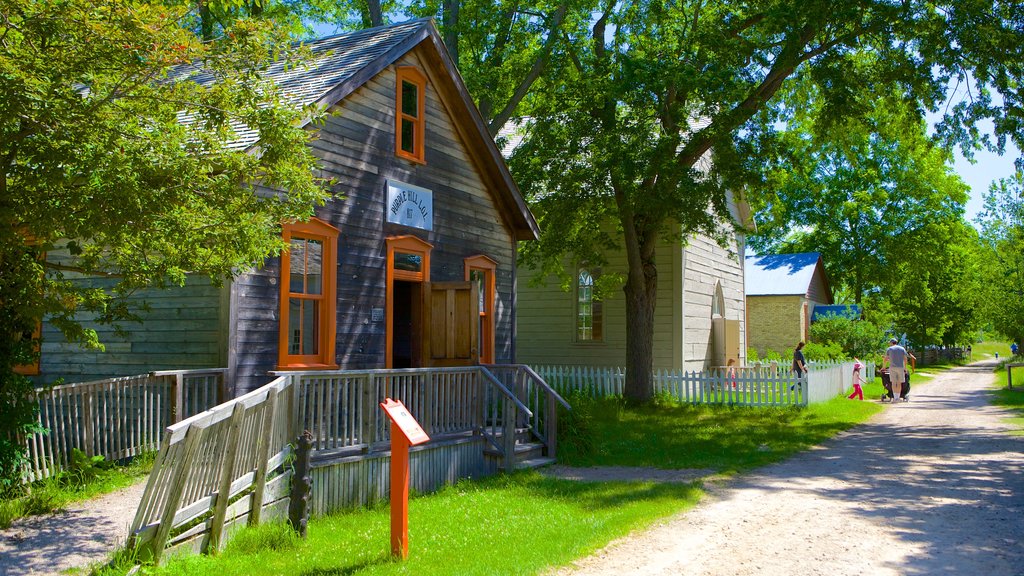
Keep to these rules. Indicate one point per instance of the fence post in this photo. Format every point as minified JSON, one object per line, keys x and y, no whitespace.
{"x":551,"y":429}
{"x":177,"y":398}
{"x":510,"y":413}
{"x":177,"y":488}
{"x":263,"y":454}
{"x":88,"y":430}
{"x":298,"y":506}
{"x":220,"y":508}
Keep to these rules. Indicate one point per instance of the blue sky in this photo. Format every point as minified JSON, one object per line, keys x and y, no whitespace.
{"x":987,"y":168}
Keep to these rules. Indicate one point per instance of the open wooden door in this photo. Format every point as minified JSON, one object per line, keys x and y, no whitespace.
{"x":451,"y":320}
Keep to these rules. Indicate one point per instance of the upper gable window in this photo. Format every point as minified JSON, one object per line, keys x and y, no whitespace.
{"x":410,"y":117}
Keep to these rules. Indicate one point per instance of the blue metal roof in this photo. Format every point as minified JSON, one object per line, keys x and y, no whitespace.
{"x":851,"y":311}
{"x":779,"y":274}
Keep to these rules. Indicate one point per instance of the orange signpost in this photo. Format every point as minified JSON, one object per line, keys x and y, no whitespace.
{"x":405,"y":432}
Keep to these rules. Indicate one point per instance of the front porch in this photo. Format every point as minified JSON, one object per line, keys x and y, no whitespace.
{"x":229,"y":466}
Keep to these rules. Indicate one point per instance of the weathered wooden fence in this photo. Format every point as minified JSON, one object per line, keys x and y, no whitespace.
{"x":239,"y":448}
{"x":217,"y":471}
{"x":759,"y":385}
{"x":115,"y":418}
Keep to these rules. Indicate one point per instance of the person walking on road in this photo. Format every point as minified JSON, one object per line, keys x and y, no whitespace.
{"x":799,"y":363}
{"x":896,"y":360}
{"x":858,"y":391}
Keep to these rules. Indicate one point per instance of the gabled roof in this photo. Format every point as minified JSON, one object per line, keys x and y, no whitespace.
{"x":782,"y":274}
{"x":344,"y":62}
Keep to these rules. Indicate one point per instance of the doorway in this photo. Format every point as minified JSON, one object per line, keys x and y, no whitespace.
{"x":406,"y":329}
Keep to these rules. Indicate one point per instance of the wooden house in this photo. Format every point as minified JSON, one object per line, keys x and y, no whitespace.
{"x":699,"y":315}
{"x":784,"y":292}
{"x":411,"y":265}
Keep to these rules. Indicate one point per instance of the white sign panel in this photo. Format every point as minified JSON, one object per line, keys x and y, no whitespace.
{"x":410,"y":205}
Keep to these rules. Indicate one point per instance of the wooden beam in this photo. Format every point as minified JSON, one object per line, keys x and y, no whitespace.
{"x":227,"y":467}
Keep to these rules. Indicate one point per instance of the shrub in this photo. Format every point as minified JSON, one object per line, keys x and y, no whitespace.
{"x":858,"y":338}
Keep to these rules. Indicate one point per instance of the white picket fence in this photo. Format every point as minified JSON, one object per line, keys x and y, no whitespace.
{"x":758,"y":385}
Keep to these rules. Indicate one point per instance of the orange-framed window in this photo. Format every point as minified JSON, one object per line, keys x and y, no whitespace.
{"x":408,"y":260}
{"x":589,"y":311}
{"x":481,"y":269}
{"x":308,"y":295}
{"x":410,"y":114}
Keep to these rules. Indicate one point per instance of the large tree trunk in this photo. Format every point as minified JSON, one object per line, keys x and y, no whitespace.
{"x":641,"y":293}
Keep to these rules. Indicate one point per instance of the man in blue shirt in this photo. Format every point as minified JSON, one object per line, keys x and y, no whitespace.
{"x":896,"y":360}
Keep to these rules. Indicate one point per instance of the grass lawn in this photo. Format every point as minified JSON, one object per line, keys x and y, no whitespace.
{"x":514,"y":524}
{"x":984,"y":350}
{"x":1012,"y":399}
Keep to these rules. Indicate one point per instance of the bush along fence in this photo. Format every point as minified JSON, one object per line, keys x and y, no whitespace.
{"x":231,"y":466}
{"x":757,"y":385}
{"x":116,"y":418}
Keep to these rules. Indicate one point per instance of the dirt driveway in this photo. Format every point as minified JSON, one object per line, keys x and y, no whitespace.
{"x":932,"y":486}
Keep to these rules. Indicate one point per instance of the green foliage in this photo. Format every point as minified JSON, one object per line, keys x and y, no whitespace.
{"x":878,"y":199}
{"x":855,"y":338}
{"x":1002,"y":223}
{"x":823,"y":351}
{"x":99,"y":171}
{"x":617,"y":152}
{"x":576,"y":426}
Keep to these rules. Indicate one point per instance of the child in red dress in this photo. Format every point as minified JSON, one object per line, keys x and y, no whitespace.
{"x":857,"y":381}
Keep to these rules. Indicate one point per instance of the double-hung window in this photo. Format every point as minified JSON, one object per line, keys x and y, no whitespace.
{"x":410,"y":120}
{"x":308,"y":295}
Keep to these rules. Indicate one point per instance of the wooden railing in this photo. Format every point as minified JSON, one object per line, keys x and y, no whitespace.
{"x":541,"y":400}
{"x":218,"y":469}
{"x":115,"y":418}
{"x":227,"y":466}
{"x":341,"y":408}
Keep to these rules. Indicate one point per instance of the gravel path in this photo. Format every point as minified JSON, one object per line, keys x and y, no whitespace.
{"x":932,"y":486}
{"x":83,"y":534}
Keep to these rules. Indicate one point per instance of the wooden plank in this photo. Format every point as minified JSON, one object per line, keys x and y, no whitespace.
{"x":227,"y":467}
{"x":183,"y":468}
{"x":263,"y":455}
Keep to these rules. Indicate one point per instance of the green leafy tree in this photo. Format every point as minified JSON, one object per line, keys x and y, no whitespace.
{"x":617,"y":154}
{"x":1002,"y":225}
{"x":118,"y":158}
{"x":855,"y":337}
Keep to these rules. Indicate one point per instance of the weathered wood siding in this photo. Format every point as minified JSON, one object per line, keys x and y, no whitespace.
{"x":348,"y":483}
{"x":180,"y":330}
{"x":818,"y":291}
{"x":706,"y":264}
{"x":356,"y":147}
{"x":547,"y":318}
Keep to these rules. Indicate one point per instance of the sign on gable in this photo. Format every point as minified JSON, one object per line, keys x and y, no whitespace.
{"x":410,"y":205}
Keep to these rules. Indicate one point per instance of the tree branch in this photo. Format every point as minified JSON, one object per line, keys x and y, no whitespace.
{"x":501,"y":118}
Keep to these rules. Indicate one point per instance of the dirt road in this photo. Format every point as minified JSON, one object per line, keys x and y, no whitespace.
{"x":932,"y":486}
{"x":86,"y":533}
